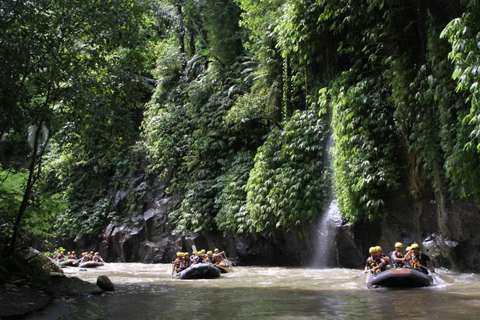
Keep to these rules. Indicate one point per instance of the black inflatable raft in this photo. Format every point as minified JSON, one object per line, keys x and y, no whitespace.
{"x":69,"y":262}
{"x":399,"y":278}
{"x":199,"y":271}
{"x":91,"y":264}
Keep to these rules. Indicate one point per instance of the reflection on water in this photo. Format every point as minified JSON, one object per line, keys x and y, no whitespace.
{"x":149,"y":292}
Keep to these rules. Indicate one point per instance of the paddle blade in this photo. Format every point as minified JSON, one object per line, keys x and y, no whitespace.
{"x":445,"y":278}
{"x":356,"y":277}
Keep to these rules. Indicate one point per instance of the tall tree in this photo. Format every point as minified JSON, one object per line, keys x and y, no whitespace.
{"x":53,"y":54}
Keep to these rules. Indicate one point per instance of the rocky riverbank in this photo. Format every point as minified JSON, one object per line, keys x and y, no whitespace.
{"x":29,"y":281}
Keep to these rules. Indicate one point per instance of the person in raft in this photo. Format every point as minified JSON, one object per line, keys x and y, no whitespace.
{"x":373,"y":262}
{"x":419,"y":260}
{"x":179,"y":262}
{"x":209,"y":257}
{"x":97,"y":258}
{"x":407,"y":260}
{"x":385,"y":264}
{"x":186,"y":258}
{"x":217,"y":256}
{"x":195,"y":258}
{"x":72,"y":256}
{"x":397,"y":257}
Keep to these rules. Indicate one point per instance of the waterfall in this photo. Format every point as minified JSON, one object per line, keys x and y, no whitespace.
{"x":325,"y":253}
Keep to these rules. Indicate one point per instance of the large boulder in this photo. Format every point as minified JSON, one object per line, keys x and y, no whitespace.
{"x":105,"y":283}
{"x":62,"y":285}
{"x":31,"y":281}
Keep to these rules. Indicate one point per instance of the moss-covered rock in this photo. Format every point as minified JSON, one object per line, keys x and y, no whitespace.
{"x":29,"y":281}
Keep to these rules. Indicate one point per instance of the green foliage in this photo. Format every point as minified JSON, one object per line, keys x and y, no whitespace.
{"x":205,"y":143}
{"x":463,"y":161}
{"x":233,"y":216}
{"x":40,"y":215}
{"x":235,"y":123}
{"x":287,"y":185}
{"x":221,"y":25}
{"x":304,"y":44}
{"x":365,"y":166}
{"x":263,"y":70}
{"x":12,"y":185}
{"x":77,"y":70}
{"x":87,"y":185}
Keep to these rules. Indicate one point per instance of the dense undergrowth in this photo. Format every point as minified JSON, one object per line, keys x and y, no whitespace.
{"x":232,"y":103}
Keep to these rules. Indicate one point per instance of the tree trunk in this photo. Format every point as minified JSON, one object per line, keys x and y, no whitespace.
{"x":32,"y":178}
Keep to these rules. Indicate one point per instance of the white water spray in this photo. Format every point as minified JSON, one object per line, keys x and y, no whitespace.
{"x":325,"y":254}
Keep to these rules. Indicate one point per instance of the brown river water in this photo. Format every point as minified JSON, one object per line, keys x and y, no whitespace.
{"x":148,"y":291}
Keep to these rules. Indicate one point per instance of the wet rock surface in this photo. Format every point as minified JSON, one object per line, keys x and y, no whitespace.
{"x":31,"y":281}
{"x":18,"y":300}
{"x":445,"y":229}
{"x":105,"y":283}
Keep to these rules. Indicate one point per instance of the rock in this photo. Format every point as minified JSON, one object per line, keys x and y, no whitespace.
{"x":32,"y":281}
{"x":38,"y":262}
{"x":72,"y":286}
{"x":17,"y":301}
{"x":105,"y":284}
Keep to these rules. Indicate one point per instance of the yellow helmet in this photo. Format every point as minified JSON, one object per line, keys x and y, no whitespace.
{"x":179,"y":254}
{"x":378,"y":248}
{"x":372,"y":249}
{"x":186,"y":254}
{"x":415,"y":246}
{"x":408,"y":248}
{"x":398,"y":245}
{"x":216,"y":249}
{"x":209,"y":253}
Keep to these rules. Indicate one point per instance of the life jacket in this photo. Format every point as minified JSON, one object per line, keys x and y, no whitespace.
{"x":396,"y":254}
{"x":217,"y":259}
{"x":416,"y":263}
{"x":177,"y":263}
{"x":373,"y":262}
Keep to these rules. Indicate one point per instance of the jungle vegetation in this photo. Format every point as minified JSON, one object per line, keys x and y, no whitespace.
{"x":233,"y":104}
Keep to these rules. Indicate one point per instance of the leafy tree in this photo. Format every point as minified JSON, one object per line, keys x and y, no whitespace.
{"x":39,"y":215}
{"x":59,"y":53}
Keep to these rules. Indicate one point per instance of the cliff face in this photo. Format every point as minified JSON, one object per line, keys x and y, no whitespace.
{"x":147,"y":236}
{"x":445,"y":229}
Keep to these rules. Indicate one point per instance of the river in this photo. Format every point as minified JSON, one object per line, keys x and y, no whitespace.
{"x":148,"y":291}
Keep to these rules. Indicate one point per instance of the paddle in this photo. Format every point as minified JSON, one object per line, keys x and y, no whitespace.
{"x":444,"y":278}
{"x":363,"y":272}
{"x":229,"y":262}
